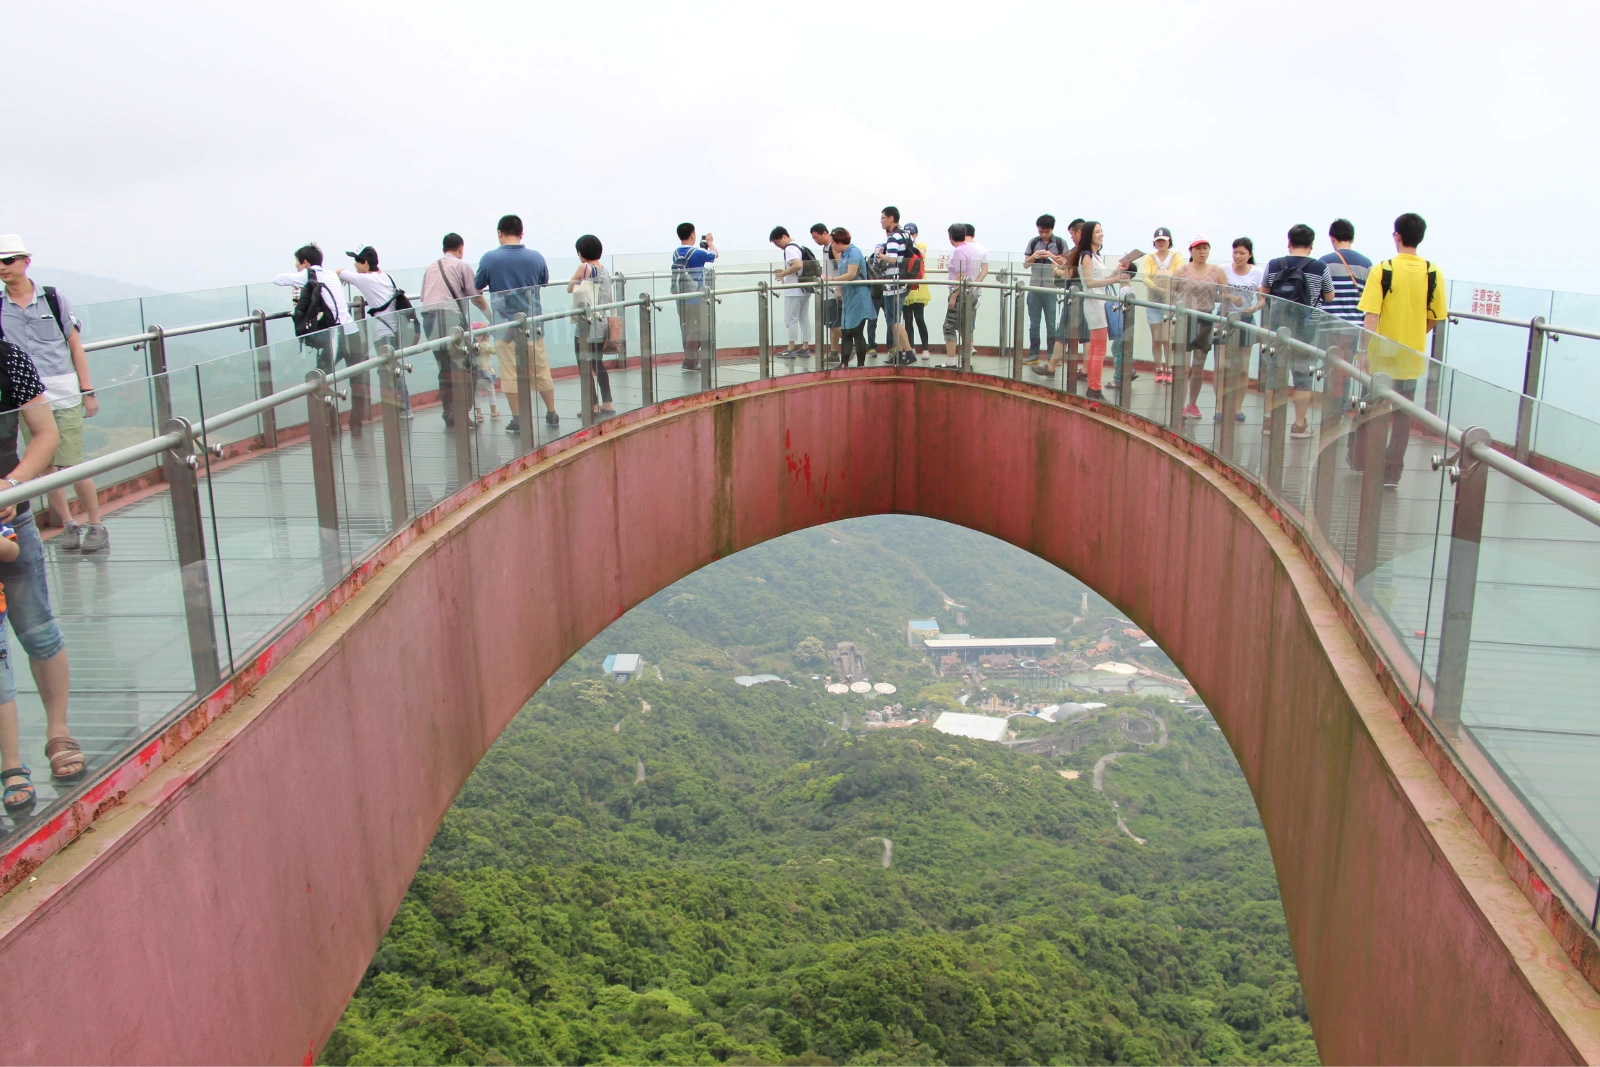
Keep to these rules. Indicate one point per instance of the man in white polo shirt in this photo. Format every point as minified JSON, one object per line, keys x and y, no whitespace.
{"x":39,"y":320}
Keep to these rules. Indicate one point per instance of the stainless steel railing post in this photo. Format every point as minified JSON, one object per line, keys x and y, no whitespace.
{"x":1179,"y":398}
{"x":1436,"y":371}
{"x":321,"y":414}
{"x":180,"y":466}
{"x":619,"y":293}
{"x":1003,"y":339}
{"x":1227,"y":399}
{"x":1019,"y":323}
{"x":1372,"y":445}
{"x":1125,"y":378}
{"x":586,"y":375}
{"x":524,"y":343}
{"x":708,"y":334}
{"x":1072,"y":354}
{"x":258,"y":340}
{"x":968,"y":315}
{"x":1330,"y":443}
{"x":822,"y":320}
{"x":155,"y":354}
{"x":1471,"y":479}
{"x":1279,"y":399}
{"x":1527,"y":405}
{"x":764,"y":330}
{"x":394,"y":444}
{"x":647,"y":359}
{"x":461,"y":355}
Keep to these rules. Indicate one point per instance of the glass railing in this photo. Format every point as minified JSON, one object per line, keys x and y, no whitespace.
{"x":1474,"y":578}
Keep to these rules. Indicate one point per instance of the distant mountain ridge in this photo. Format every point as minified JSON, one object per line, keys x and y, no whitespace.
{"x":90,"y":288}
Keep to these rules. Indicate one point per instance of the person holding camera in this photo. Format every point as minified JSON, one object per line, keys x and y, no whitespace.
{"x":381,"y":296}
{"x":689,"y":263}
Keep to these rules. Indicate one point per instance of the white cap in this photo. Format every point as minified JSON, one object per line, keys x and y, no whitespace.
{"x":11,"y":245}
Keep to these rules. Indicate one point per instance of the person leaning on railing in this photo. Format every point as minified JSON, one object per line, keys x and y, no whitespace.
{"x":1403,"y":300}
{"x":449,"y":280}
{"x":800,"y":266}
{"x":380,"y":294}
{"x":22,"y":395}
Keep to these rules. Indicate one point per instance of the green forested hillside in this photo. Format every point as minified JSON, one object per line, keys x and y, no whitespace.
{"x":686,"y":871}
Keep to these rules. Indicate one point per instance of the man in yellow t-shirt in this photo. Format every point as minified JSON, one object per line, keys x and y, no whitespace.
{"x":1404,"y":298}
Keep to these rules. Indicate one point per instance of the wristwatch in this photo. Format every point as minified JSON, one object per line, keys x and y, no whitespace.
{"x":14,"y":482}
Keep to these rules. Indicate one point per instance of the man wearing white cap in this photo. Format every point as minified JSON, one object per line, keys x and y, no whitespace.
{"x":39,"y":320}
{"x":27,"y":597}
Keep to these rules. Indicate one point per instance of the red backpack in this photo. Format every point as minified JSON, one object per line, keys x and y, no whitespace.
{"x":914,"y":267}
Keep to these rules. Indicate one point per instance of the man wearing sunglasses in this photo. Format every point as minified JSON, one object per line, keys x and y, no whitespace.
{"x":39,"y":320}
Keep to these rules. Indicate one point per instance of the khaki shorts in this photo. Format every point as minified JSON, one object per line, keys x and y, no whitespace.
{"x":69,"y":424}
{"x":542,"y":382}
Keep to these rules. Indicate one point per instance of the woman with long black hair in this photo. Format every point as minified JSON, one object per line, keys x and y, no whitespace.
{"x":1089,"y":269}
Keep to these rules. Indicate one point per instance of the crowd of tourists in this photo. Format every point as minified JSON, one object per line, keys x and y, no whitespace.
{"x":47,"y":390}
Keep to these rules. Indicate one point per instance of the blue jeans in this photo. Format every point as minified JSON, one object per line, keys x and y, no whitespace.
{"x":1041,"y":304}
{"x":27,"y":595}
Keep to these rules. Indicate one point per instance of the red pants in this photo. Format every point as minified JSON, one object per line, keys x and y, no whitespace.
{"x":1094,"y":365}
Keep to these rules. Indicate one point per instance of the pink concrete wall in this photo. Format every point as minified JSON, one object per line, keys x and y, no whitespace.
{"x":226,"y":914}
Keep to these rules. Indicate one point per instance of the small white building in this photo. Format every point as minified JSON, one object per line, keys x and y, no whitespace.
{"x":622,"y":667}
{"x":982,"y":727}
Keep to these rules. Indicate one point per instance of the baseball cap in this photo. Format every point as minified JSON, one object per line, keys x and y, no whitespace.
{"x":910,"y":229}
{"x":1199,"y":239}
{"x":11,"y":245}
{"x":367,"y":255}
{"x":1162,"y":232}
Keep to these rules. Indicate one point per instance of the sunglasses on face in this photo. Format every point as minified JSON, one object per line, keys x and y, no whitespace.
{"x":8,"y":260}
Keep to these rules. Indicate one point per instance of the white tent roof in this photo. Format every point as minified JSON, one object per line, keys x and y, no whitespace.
{"x":983,"y":727}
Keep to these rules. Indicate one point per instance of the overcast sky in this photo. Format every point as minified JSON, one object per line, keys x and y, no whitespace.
{"x":190,"y":145}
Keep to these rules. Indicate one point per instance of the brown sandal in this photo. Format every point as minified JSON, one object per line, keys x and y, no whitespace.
{"x":64,"y":752}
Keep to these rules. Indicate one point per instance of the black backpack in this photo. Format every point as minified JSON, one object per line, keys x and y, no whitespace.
{"x":398,"y":300}
{"x":810,"y":268}
{"x":311,"y":313}
{"x":1292,"y":285}
{"x":1388,"y":280}
{"x":54,"y":301}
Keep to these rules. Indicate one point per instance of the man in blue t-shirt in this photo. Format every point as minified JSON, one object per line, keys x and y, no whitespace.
{"x":689,"y":263}
{"x":1349,"y":269}
{"x":512,"y":275}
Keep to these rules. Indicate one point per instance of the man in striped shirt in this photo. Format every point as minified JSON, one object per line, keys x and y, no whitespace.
{"x":889,"y":260}
{"x":1349,"y":269}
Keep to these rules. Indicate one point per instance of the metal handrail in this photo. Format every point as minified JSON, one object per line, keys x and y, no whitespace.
{"x":155,"y":446}
{"x":1524,"y":475}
